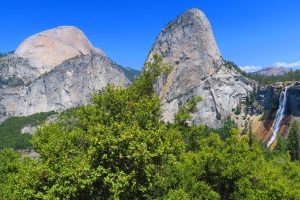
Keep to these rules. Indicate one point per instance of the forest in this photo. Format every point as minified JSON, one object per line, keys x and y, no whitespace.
{"x":118,"y":148}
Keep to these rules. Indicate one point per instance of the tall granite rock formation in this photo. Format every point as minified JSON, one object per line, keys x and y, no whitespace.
{"x":54,"y":70}
{"x":188,"y":44}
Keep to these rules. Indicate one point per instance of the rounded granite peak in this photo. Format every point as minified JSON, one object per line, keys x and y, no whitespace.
{"x":194,"y":14}
{"x":195,"y":11}
{"x":189,"y":45}
{"x":48,"y":49}
{"x":188,"y":34}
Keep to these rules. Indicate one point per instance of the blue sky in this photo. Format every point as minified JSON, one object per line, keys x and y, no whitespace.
{"x":253,"y":33}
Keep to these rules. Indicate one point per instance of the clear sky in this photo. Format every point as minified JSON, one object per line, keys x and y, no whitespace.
{"x":248,"y":32}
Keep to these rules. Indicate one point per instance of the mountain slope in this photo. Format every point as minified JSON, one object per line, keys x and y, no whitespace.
{"x":131,"y":74}
{"x":273,"y":71}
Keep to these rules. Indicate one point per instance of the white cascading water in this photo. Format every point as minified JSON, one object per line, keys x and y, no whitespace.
{"x":279,"y":115}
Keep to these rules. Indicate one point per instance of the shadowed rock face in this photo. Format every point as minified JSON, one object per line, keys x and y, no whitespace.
{"x":270,"y":96}
{"x":71,"y":84}
{"x":197,"y":70}
{"x":293,"y":95}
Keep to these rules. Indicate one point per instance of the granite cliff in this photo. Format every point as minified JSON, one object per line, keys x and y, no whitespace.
{"x":293,"y":104}
{"x":54,"y":70}
{"x":188,"y":44}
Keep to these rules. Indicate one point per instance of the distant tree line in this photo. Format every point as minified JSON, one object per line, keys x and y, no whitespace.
{"x":3,"y":54}
{"x":292,"y":75}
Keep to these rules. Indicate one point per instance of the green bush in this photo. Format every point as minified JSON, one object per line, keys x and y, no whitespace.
{"x":292,"y":142}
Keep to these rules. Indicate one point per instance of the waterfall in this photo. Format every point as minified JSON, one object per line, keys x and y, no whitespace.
{"x":279,"y":115}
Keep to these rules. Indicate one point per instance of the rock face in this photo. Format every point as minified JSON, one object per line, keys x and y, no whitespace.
{"x":293,"y":98}
{"x":15,"y":71}
{"x":29,"y":129}
{"x":44,"y":51}
{"x":188,"y":44}
{"x":50,"y":48}
{"x":269,"y":97}
{"x":53,"y":71}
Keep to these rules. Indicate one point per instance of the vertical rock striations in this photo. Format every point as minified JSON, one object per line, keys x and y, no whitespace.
{"x":197,"y":70}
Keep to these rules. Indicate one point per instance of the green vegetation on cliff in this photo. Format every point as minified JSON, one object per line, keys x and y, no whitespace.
{"x":131,"y":74}
{"x":10,"y":130}
{"x":118,"y":148}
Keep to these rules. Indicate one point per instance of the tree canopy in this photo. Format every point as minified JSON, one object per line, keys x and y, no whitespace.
{"x":118,"y":148}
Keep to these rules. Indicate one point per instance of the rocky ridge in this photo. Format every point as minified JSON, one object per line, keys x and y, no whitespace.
{"x":274,"y":71}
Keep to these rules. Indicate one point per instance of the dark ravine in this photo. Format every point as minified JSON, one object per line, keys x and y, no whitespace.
{"x":293,"y":96}
{"x":268,"y":97}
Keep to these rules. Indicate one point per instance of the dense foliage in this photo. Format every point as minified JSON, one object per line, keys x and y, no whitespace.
{"x":10,"y":130}
{"x":292,"y":141}
{"x":118,"y":148}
